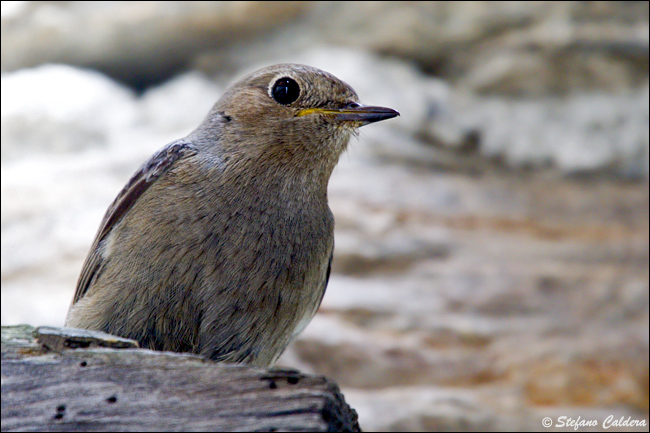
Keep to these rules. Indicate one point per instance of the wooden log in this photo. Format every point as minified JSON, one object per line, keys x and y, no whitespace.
{"x":107,"y":383}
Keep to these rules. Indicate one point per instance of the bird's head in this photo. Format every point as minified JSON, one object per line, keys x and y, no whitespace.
{"x":292,"y":113}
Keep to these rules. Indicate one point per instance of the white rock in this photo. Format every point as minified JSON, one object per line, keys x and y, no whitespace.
{"x":58,"y":108}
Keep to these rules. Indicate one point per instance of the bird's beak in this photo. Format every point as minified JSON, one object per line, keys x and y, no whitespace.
{"x":357,"y":113}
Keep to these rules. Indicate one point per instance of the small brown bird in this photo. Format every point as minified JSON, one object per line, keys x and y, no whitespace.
{"x":221,"y":244}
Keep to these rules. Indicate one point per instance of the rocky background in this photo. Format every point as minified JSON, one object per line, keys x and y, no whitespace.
{"x":491,"y":263}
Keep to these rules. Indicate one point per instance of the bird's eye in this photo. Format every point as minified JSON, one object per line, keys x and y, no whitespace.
{"x":285,"y":91}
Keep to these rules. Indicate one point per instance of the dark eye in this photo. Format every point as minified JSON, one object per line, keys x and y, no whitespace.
{"x":285,"y":91}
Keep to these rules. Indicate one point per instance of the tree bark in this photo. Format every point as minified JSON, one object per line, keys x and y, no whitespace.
{"x":59,"y":379}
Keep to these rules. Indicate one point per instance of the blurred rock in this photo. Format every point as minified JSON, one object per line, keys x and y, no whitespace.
{"x":505,"y":48}
{"x":590,"y":372}
{"x":440,"y":127}
{"x":424,"y":408}
{"x":577,"y":134}
{"x":421,"y":409}
{"x":497,"y":48}
{"x":58,"y":108}
{"x":527,"y":286}
{"x":513,"y":48}
{"x":137,"y":42}
{"x":192,"y":91}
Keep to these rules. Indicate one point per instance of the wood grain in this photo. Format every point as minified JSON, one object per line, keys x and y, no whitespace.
{"x":130,"y":389}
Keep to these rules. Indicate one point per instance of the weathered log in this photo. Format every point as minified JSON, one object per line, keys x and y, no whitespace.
{"x":59,"y":379}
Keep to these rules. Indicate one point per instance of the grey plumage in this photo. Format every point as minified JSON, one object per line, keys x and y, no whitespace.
{"x":221,"y":244}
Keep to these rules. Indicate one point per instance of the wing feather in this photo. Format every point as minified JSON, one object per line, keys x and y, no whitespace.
{"x":159,"y":164}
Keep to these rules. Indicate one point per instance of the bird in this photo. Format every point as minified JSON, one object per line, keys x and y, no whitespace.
{"x":221,"y":244}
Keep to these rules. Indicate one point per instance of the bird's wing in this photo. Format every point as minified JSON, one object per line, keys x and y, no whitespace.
{"x":150,"y":171}
{"x":327,"y":276}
